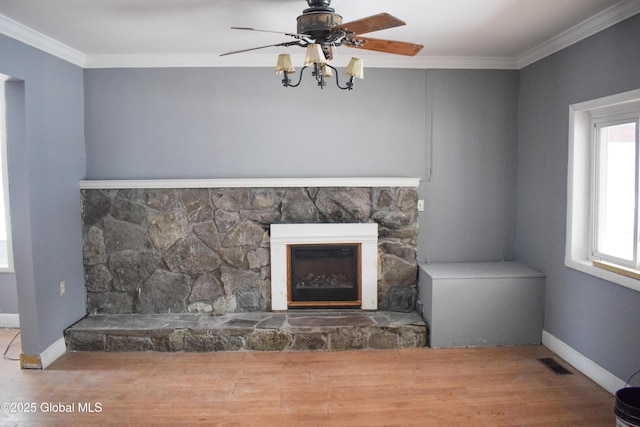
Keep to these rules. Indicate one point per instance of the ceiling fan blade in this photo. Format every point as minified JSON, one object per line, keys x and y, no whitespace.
{"x":377,"y":22}
{"x":297,"y":36}
{"x":387,"y":46}
{"x":259,"y":47}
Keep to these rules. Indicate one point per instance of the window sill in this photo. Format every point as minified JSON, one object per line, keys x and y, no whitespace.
{"x":618,"y":269}
{"x":607,"y":273}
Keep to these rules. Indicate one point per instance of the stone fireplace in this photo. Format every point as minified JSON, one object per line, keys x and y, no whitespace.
{"x":334,"y":247}
{"x":218,"y":246}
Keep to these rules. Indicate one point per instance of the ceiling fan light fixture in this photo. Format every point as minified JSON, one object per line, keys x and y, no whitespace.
{"x":284,"y":64}
{"x":355,"y":68}
{"x":314,"y":55}
{"x":327,"y":71}
{"x":320,"y":30}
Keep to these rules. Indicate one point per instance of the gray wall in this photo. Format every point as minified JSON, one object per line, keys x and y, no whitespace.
{"x":221,"y":123}
{"x":46,"y":158}
{"x":225,"y":122}
{"x":8,"y":294}
{"x":470,"y":192}
{"x":599,"y":319}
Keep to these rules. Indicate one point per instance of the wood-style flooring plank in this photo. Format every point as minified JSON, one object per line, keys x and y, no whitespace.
{"x":502,"y":386}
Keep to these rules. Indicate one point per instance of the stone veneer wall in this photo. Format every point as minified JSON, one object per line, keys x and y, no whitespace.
{"x":207,"y":249}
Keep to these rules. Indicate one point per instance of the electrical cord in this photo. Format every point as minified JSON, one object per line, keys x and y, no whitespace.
{"x":631,"y":377}
{"x":4,"y":355}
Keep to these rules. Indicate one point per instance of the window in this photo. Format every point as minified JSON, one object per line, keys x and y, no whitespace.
{"x":615,"y":199}
{"x":6,"y":253}
{"x":603,"y":195}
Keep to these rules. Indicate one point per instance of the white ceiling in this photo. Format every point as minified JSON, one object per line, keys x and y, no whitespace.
{"x":455,"y":33}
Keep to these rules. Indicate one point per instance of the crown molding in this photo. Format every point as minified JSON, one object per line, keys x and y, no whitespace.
{"x":465,"y":62}
{"x":268,"y":60}
{"x":601,"y":21}
{"x":179,"y":61}
{"x":26,"y":35}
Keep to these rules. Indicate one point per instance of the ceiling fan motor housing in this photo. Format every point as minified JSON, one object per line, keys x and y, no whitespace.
{"x":318,"y":24}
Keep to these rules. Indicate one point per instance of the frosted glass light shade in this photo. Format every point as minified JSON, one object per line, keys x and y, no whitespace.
{"x":355,"y":68}
{"x":327,"y":71}
{"x":314,"y":55}
{"x":284,"y":64}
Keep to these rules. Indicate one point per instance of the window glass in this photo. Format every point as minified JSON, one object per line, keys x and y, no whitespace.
{"x":616,"y":191}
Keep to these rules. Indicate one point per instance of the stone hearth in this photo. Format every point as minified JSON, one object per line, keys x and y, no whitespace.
{"x":298,"y":330}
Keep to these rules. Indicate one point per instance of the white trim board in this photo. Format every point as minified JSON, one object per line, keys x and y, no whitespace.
{"x":53,"y":352}
{"x":251,"y":183}
{"x":9,"y":320}
{"x":592,"y":370}
{"x":258,"y":60}
{"x":46,"y":358}
{"x":33,"y":38}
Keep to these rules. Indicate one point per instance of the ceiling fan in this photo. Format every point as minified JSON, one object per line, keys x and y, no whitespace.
{"x":319,"y":24}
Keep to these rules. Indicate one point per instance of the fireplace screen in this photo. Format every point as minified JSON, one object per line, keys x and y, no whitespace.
{"x":324,"y":275}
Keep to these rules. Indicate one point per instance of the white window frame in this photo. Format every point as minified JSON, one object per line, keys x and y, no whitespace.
{"x":601,"y":119}
{"x":580,"y":204}
{"x":5,"y":177}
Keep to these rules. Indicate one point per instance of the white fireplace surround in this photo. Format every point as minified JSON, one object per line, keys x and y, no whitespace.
{"x":288,"y":234}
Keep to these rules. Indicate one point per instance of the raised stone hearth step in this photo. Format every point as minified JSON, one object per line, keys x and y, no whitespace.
{"x":299,"y":330}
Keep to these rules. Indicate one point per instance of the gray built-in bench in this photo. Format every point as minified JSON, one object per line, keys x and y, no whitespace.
{"x":482,"y":304}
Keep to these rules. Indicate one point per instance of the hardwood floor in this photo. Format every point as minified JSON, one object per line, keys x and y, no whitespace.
{"x":414,"y":387}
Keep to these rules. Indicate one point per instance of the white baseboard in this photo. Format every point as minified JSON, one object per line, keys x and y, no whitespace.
{"x":9,"y":320}
{"x":52,"y":352}
{"x":46,"y":358}
{"x":592,"y":370}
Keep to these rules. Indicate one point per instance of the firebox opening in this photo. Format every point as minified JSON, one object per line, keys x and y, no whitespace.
{"x":324,"y":275}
